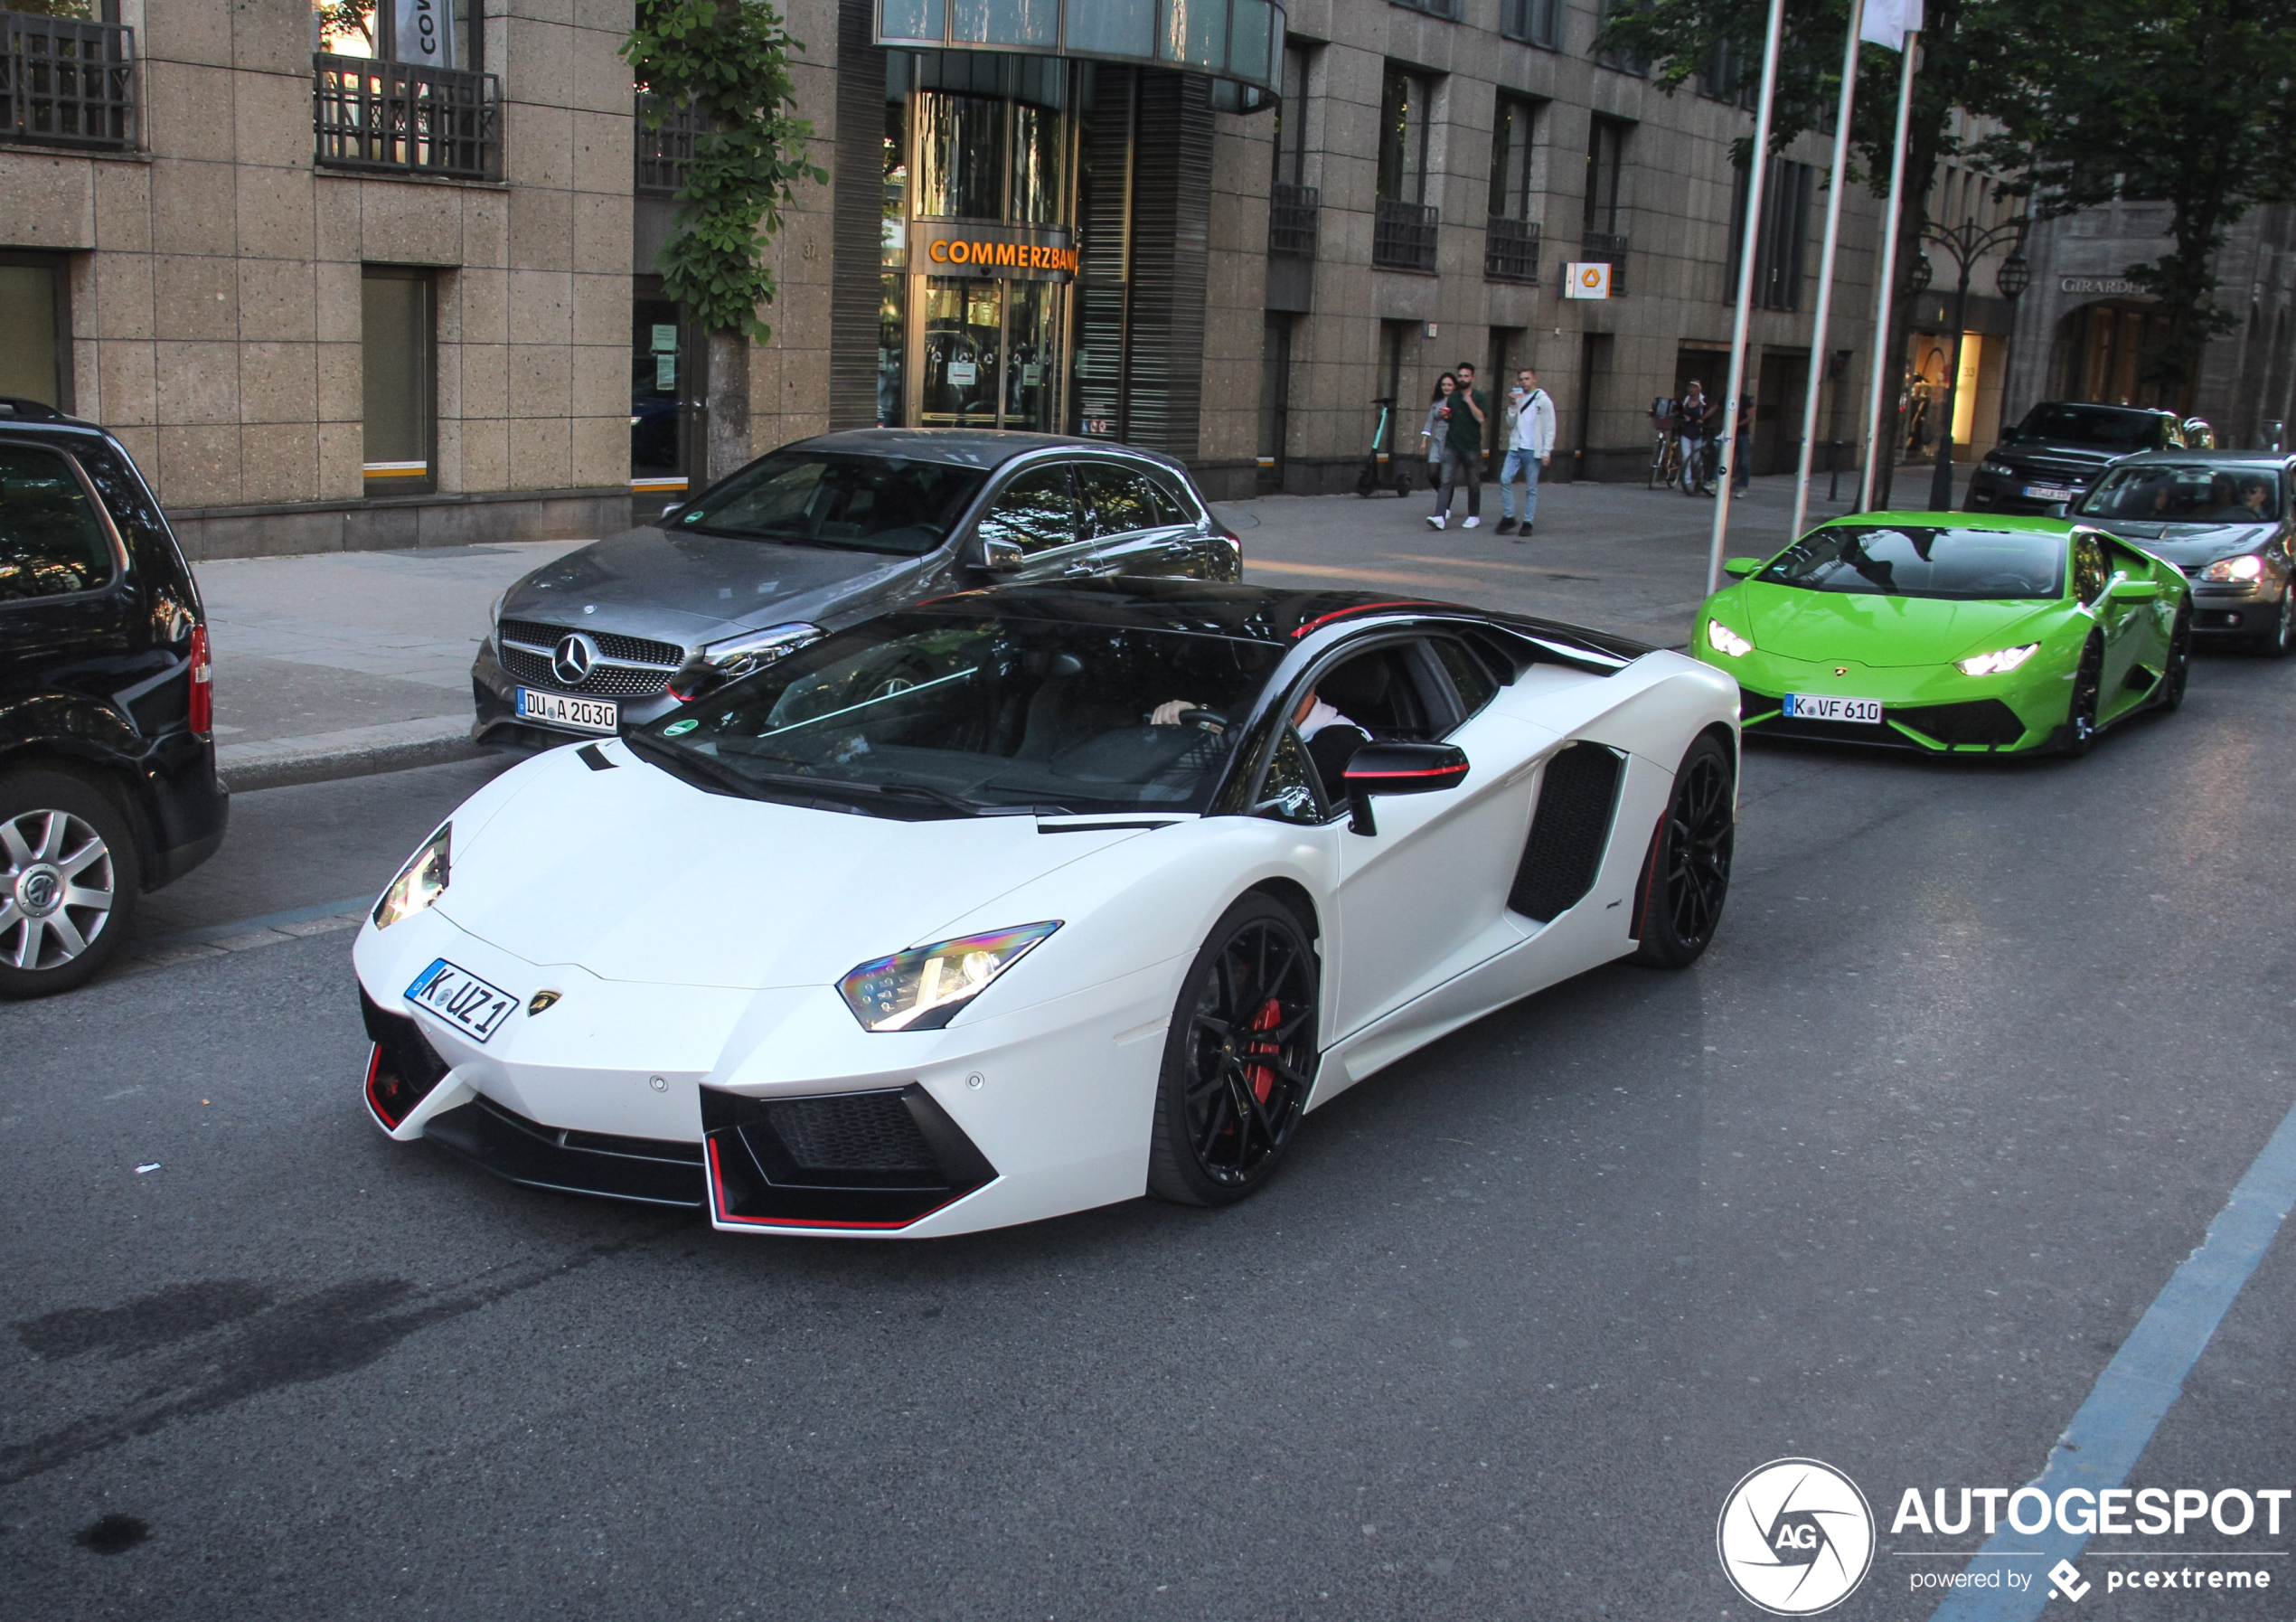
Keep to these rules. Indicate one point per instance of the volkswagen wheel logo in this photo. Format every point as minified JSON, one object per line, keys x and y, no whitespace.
{"x":1796,"y":1537}
{"x":572,"y":660}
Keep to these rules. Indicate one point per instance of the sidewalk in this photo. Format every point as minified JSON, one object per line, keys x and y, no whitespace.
{"x":338,"y":665}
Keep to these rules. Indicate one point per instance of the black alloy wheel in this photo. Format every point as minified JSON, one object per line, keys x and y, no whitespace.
{"x":1240,"y":1059}
{"x":2174,"y":678}
{"x":1688,"y":874}
{"x":2081,"y":710}
{"x":69,"y":881}
{"x":2280,"y":641}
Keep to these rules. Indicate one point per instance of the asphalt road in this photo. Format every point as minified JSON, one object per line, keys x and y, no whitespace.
{"x":1885,"y":1180}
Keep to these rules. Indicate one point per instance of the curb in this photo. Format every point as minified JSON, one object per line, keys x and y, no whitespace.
{"x":354,"y":752}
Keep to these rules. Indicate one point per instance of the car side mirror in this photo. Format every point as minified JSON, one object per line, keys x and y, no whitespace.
{"x":1379,"y":769}
{"x":999,"y":556}
{"x":2135,"y":592}
{"x":1738,"y":569}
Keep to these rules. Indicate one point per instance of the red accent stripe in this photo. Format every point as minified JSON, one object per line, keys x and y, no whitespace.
{"x":374,"y":1072}
{"x":1323,"y":620}
{"x":718,"y":1203}
{"x":1432,"y":771}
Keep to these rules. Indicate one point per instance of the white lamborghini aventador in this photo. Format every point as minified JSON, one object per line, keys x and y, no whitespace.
{"x":1030,"y":899}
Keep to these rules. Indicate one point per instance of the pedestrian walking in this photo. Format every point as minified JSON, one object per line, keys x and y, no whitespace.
{"x":1694,"y":416}
{"x":1530,"y":440}
{"x":1741,"y":449}
{"x":1463,"y":415}
{"x":1432,"y":432}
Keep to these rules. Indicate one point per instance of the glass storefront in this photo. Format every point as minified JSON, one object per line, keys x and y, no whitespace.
{"x":665,"y":388}
{"x":981,"y":150}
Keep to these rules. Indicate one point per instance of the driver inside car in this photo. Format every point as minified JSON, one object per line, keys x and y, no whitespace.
{"x":1332,"y":735}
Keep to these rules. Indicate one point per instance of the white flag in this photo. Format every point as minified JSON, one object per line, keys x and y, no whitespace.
{"x":1888,"y":22}
{"x":425,"y":31}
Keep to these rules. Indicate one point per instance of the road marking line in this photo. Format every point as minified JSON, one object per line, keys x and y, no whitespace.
{"x":2146,"y":1375}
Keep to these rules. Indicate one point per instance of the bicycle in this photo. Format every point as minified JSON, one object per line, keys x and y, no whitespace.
{"x":1666,"y":459}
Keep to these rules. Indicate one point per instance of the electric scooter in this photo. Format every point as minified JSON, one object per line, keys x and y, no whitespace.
{"x":1374,"y":476}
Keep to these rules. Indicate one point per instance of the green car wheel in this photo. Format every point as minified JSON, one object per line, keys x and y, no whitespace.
{"x":1950,"y":633}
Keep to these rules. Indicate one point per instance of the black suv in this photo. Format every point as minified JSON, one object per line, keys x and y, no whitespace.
{"x":2045,"y":463}
{"x":107,"y":784}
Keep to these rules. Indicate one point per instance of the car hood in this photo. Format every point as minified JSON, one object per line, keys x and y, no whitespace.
{"x":691,"y":589}
{"x":2189,"y":543}
{"x":2052,"y":458}
{"x":636,"y":876}
{"x":1878,"y":631}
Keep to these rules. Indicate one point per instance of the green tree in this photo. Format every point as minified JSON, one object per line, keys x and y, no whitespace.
{"x":728,"y":60}
{"x":2191,"y":103}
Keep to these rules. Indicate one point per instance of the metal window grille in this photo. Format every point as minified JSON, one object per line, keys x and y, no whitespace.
{"x":666,"y":154}
{"x":1534,"y":21}
{"x":400,"y":117}
{"x":67,"y":82}
{"x":1510,"y":250}
{"x":1403,"y":235}
{"x":1601,"y":247}
{"x":1291,"y":220}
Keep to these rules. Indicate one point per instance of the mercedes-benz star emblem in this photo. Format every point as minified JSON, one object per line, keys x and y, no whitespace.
{"x":572,"y":660}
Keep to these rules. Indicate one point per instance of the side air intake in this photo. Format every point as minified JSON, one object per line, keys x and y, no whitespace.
{"x":1568,"y":832}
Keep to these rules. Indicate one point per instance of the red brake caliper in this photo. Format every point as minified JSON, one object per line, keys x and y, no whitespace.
{"x":1260,"y":1076}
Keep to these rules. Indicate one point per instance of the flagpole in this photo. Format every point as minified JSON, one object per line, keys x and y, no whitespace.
{"x":1744,"y":319}
{"x":1818,"y":352}
{"x":1884,"y":366}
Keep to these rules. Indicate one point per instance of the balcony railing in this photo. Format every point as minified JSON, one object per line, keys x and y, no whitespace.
{"x":399,"y":118}
{"x":1403,"y":235}
{"x":1510,"y":250}
{"x":1291,"y":220}
{"x":666,"y":153}
{"x":64,"y":82}
{"x":1600,"y":248}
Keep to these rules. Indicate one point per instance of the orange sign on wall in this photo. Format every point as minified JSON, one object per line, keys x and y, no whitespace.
{"x":941,"y":247}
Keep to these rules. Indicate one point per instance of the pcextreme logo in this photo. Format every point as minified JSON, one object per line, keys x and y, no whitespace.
{"x":1796,"y":1537}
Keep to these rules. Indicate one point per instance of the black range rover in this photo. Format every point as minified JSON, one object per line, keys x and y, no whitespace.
{"x":2045,"y":462}
{"x":107,"y":784}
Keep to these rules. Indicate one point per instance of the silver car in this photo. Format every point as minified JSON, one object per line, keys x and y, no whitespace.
{"x":814,"y":537}
{"x":2224,"y":518}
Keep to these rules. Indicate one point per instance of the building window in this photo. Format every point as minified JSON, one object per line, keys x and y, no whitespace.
{"x":431,"y":33}
{"x":1510,"y":135}
{"x":1404,"y":106}
{"x":35,"y":328}
{"x":1533,"y":22}
{"x":1289,"y":130}
{"x":1618,"y":61}
{"x":1782,"y":243}
{"x":397,"y":325}
{"x":1446,"y":9}
{"x":1606,"y":163}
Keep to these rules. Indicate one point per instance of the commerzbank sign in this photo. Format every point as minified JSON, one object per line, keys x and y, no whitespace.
{"x":947,"y":248}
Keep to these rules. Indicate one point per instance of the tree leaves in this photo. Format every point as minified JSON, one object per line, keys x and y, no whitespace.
{"x":728,"y":60}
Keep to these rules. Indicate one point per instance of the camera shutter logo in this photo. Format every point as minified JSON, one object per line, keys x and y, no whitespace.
{"x":1796,"y":1537}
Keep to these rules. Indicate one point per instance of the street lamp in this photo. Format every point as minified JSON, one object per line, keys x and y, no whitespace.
{"x":1966,"y":244}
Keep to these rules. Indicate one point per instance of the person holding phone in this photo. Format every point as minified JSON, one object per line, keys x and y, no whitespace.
{"x":1530,"y":440}
{"x":1432,"y":432}
{"x":1463,"y":414}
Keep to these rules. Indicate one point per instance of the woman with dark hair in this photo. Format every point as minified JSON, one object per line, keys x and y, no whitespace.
{"x":1433,"y":431}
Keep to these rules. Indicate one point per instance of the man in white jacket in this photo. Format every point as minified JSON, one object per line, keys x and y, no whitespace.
{"x":1530,"y":440}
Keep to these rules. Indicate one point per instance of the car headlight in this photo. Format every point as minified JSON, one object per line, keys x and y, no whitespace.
{"x":1722,"y":639}
{"x":419,"y":883}
{"x":1991,"y":466}
{"x":738,"y":656}
{"x":2247,"y":566}
{"x":1998,"y":662}
{"x":922,"y":989}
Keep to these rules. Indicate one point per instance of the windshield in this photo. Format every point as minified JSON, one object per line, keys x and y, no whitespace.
{"x":2101,"y":426}
{"x":1973,"y":565}
{"x":990,"y":711}
{"x":817,"y":498}
{"x":2187,"y":494}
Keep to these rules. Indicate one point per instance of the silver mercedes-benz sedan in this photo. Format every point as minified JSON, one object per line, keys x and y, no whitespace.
{"x":809,"y":538}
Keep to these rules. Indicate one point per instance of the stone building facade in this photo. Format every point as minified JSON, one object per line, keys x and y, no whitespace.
{"x":331,"y":299}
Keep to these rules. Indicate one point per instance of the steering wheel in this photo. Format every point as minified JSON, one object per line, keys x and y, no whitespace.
{"x":1204,"y":721}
